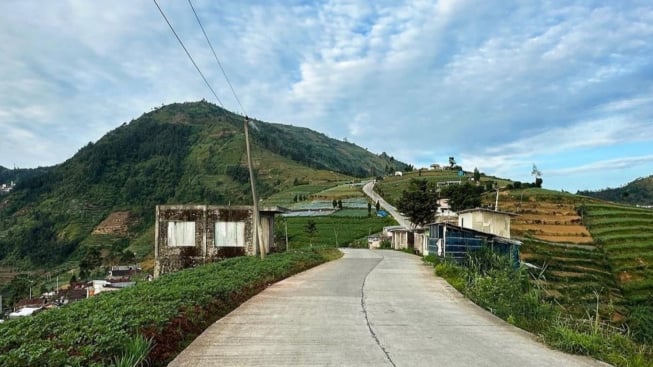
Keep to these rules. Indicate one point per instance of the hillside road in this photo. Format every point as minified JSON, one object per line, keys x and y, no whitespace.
{"x":369,"y":308}
{"x":368,"y":189}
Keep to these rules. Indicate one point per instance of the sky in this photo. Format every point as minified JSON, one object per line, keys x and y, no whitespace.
{"x":499,"y":85}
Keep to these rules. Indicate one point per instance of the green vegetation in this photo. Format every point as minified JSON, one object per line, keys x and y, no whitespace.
{"x":169,"y":311}
{"x":625,"y":235}
{"x":490,"y":281}
{"x":185,"y":153}
{"x":134,"y":352}
{"x":391,"y":187}
{"x":573,"y":276}
{"x":637,"y":192}
{"x":419,"y":201}
{"x":465,"y":196}
{"x":332,"y":230}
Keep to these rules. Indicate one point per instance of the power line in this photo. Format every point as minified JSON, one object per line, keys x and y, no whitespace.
{"x":187,"y":53}
{"x":216,"y":57}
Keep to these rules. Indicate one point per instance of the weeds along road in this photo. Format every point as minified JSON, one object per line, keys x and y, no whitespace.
{"x":370,"y":308}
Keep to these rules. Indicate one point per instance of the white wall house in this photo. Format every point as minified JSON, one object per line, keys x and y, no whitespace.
{"x":486,"y":220}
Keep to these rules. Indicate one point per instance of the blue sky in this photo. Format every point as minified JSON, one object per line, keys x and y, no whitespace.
{"x":500,"y":85}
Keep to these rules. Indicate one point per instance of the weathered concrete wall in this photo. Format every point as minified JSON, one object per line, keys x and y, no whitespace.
{"x":171,"y":258}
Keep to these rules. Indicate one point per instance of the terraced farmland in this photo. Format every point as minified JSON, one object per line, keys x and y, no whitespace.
{"x":544,"y":214}
{"x":625,"y":234}
{"x":574,"y":275}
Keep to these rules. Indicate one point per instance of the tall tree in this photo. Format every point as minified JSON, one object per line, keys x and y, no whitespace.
{"x":419,"y":202}
{"x":461,"y":197}
{"x":477,"y":175}
{"x":452,"y":162}
{"x":310,"y":228}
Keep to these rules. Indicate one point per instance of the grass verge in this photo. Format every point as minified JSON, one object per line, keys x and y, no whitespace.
{"x":507,"y":292}
{"x":170,"y":312}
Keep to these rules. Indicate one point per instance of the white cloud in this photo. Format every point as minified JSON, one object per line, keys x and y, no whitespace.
{"x":498,"y":85}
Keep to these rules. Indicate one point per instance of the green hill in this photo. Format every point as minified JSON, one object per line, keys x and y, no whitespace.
{"x":180,"y":153}
{"x":8,"y":175}
{"x":638,"y":192}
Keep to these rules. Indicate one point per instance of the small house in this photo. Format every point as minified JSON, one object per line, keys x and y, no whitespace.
{"x":401,"y":238}
{"x":413,"y":239}
{"x":190,"y":235}
{"x":486,"y":220}
{"x":451,"y":241}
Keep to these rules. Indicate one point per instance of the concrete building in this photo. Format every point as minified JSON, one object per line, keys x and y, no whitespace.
{"x":455,"y":242}
{"x":486,"y":220}
{"x":191,"y":235}
{"x":414,"y":239}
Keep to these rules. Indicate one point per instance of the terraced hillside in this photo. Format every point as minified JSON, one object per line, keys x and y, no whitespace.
{"x":544,"y":214}
{"x":575,"y":269}
{"x":574,"y":276}
{"x":625,"y":234}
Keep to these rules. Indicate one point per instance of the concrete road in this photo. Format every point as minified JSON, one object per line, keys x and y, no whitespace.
{"x":370,"y":308}
{"x":368,"y":189}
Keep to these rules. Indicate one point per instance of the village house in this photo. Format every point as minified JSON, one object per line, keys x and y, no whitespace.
{"x":486,"y":220}
{"x":475,"y":229}
{"x":403,"y":238}
{"x":191,"y":235}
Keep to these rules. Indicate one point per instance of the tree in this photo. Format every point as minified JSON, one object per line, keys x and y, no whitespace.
{"x":310,"y":228}
{"x":536,"y":172}
{"x":461,"y":197}
{"x":419,"y":202}
{"x":452,"y":162}
{"x":477,"y":175}
{"x":90,"y":261}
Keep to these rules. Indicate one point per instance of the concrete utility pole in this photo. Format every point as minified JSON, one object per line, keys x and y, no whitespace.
{"x":257,"y":242}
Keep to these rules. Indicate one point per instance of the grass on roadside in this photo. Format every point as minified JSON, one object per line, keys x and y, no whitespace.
{"x":490,"y":282}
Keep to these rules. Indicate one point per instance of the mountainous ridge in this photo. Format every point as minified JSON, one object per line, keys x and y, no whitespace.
{"x":636,"y":192}
{"x":191,"y":152}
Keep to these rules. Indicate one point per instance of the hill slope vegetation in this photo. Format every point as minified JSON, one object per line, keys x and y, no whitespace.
{"x":637,"y":192}
{"x":180,"y":153}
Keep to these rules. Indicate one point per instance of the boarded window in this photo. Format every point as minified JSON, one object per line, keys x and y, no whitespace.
{"x":181,"y":234}
{"x":230,"y":234}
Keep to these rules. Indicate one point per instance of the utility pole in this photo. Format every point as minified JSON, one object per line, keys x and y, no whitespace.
{"x":285,"y":223}
{"x":256,"y":233}
{"x":496,"y":203}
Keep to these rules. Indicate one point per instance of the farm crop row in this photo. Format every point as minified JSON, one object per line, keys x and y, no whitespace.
{"x":168,"y":311}
{"x":333,"y":230}
{"x":626,"y":235}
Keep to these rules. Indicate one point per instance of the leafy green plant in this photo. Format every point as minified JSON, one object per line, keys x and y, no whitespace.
{"x":135,"y":352}
{"x":168,"y":311}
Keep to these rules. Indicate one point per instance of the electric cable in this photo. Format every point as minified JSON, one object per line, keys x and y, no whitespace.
{"x":216,"y":58}
{"x":188,"y":53}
